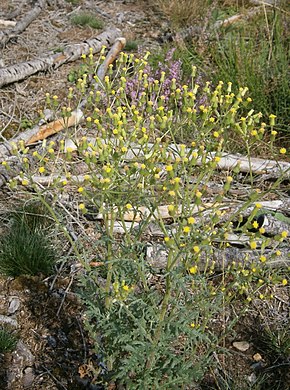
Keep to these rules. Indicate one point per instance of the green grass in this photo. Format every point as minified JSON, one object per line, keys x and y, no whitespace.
{"x":131,"y":46}
{"x":7,"y":341}
{"x":26,"y":249}
{"x":87,"y":19}
{"x":258,"y":61}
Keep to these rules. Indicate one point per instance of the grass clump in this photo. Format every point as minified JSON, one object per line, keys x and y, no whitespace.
{"x":26,"y":249}
{"x":7,"y":341}
{"x":182,"y":12}
{"x":131,"y":46}
{"x":86,"y":19}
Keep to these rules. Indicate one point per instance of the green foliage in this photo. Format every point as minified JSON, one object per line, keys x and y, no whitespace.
{"x":74,"y":2}
{"x":131,"y":46}
{"x":151,"y":321}
{"x":86,"y":19}
{"x":25,"y":249}
{"x":246,"y":57}
{"x":7,"y":341}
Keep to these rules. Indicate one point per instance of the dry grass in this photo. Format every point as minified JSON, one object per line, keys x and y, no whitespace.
{"x":182,"y":13}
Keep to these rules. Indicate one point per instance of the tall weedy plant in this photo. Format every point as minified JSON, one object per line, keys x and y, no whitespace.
{"x":151,"y":318}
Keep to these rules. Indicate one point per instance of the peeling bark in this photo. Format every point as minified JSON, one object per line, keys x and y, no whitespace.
{"x":52,"y":60}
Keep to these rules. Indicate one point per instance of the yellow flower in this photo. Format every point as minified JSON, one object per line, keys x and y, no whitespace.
{"x":82,"y":206}
{"x":64,"y":182}
{"x":186,"y":229}
{"x":284,"y":234}
{"x":190,"y":220}
{"x":284,"y":282}
{"x":196,"y":249}
{"x":216,"y":134}
{"x":263,"y":259}
{"x":41,"y":170}
{"x":192,"y":325}
{"x":126,"y":288}
{"x":25,"y":182}
{"x":129,"y":206}
{"x":198,"y":194}
{"x":169,"y":168}
{"x":170,"y":208}
{"x":258,"y":205}
{"x":171,"y":193}
{"x":166,"y":239}
{"x":81,"y":189}
{"x":262,"y":230}
{"x":278,"y":253}
{"x":283,"y":150}
{"x":255,"y":225}
{"x":193,"y":270}
{"x":253,"y":245}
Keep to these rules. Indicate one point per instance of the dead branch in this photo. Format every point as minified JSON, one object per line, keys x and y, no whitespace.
{"x":20,"y":26}
{"x":50,"y":60}
{"x":7,"y":23}
{"x":45,"y":131}
{"x":40,"y":132}
{"x":250,"y":13}
{"x":259,"y":166}
{"x":220,"y":259}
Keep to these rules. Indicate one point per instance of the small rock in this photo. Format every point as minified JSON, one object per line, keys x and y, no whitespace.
{"x":241,"y":345}
{"x":14,"y":305}
{"x":257,"y":357}
{"x":28,"y":377}
{"x":9,"y":321}
{"x":21,"y":358}
{"x":252,"y":378}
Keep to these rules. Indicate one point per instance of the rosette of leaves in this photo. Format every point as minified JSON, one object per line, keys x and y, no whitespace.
{"x":26,"y":247}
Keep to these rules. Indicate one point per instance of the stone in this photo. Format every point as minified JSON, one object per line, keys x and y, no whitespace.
{"x":13,"y":305}
{"x":242,"y":346}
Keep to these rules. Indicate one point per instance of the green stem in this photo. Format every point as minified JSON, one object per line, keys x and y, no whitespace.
{"x":109,"y":219}
{"x":164,"y":306}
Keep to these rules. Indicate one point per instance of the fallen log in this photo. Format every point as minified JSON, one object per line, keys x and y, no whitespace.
{"x":250,"y":13}
{"x":228,"y":162}
{"x":20,"y":26}
{"x":34,"y":135}
{"x":40,"y":132}
{"x":220,"y":259}
{"x":51,"y":60}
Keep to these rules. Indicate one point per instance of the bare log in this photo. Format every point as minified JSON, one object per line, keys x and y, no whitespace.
{"x":40,"y":132}
{"x":228,"y":161}
{"x":250,"y":13}
{"x":52,"y":60}
{"x":77,"y":115}
{"x":220,"y":259}
{"x":5,"y":37}
{"x":7,"y":23}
